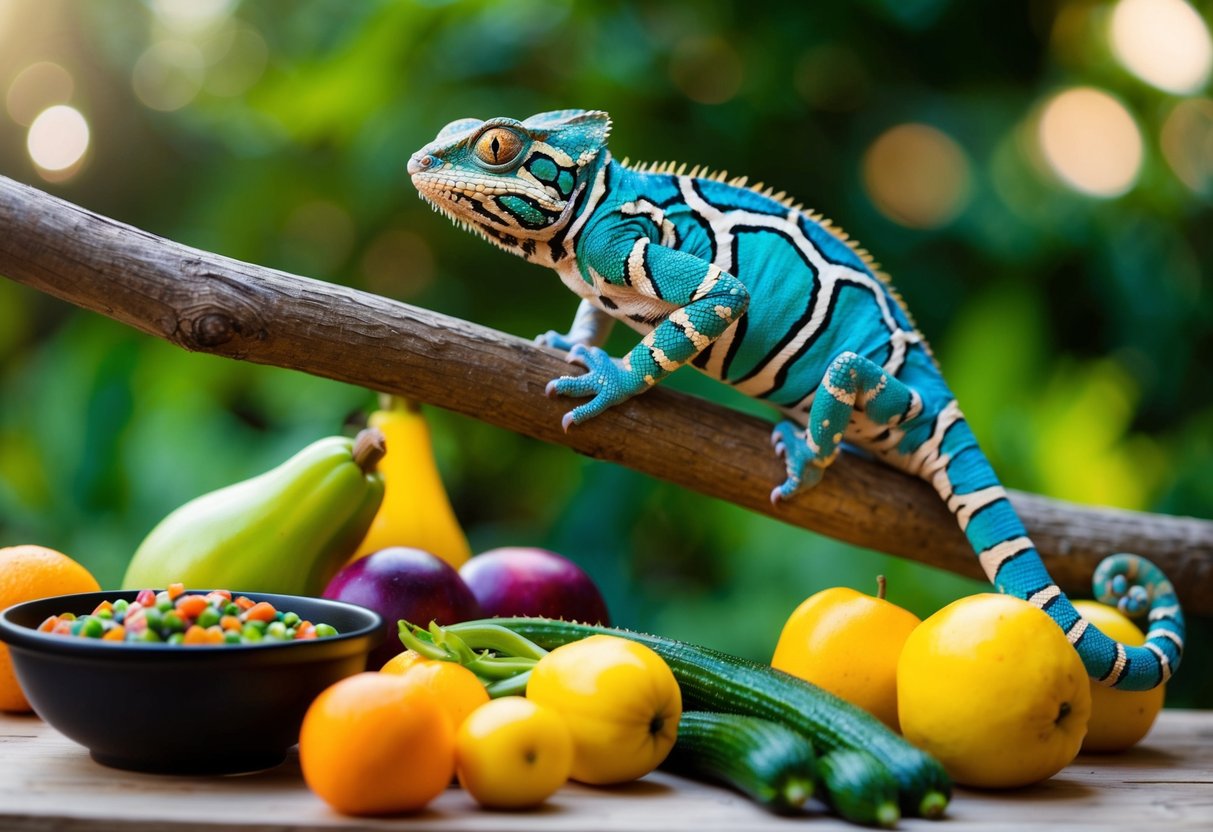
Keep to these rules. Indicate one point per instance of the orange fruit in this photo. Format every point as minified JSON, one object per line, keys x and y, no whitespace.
{"x":401,"y":662}
{"x":373,"y":744}
{"x":457,"y":688}
{"x":848,"y":643}
{"x":27,"y":573}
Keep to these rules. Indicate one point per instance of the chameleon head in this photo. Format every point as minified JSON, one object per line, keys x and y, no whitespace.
{"x":511,"y":181}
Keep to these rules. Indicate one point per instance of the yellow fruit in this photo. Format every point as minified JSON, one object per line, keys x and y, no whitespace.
{"x":26,"y":574}
{"x":373,"y":744}
{"x":990,"y":686}
{"x":401,"y":662}
{"x":620,"y":701}
{"x":415,"y":511}
{"x":513,"y":753}
{"x":1119,"y":718}
{"x":848,"y":643}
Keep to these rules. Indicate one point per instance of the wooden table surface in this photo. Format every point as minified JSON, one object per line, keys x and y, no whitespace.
{"x":49,"y":783}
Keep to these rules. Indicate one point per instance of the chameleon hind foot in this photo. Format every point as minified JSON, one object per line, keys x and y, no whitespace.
{"x":1130,"y":583}
{"x":804,"y":470}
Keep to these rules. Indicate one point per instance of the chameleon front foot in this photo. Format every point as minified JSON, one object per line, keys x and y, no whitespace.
{"x":606,"y":382}
{"x":556,"y":340}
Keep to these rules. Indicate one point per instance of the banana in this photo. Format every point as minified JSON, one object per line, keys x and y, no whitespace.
{"x":288,"y":530}
{"x":416,"y":511}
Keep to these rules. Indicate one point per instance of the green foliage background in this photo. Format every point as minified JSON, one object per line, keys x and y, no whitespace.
{"x":1075,"y":330}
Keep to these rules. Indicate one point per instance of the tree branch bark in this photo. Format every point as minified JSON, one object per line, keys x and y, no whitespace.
{"x":204,"y":302}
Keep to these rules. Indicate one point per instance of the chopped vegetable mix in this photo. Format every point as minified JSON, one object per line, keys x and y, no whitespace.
{"x":173,"y":616}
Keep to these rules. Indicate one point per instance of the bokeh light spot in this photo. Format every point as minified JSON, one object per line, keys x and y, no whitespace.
{"x":36,"y":88}
{"x":1163,"y":42}
{"x":707,"y":69}
{"x":240,"y":64}
{"x":917,"y":176}
{"x":1091,"y":142}
{"x":1187,"y":144}
{"x":168,"y":75}
{"x":57,"y":141}
{"x":192,"y":15}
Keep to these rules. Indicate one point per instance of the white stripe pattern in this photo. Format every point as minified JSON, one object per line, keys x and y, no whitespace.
{"x":998,"y":554}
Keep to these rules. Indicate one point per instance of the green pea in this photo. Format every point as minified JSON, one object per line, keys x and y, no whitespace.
{"x":108,"y":615}
{"x":149,"y":635}
{"x":276,"y":630}
{"x":93,"y":627}
{"x":155,"y":621}
{"x":291,"y":619}
{"x":165,"y":605}
{"x":325,"y":630}
{"x":251,"y":633}
{"x":231,"y":609}
{"x":260,"y":625}
{"x":177,"y":638}
{"x":173,"y":622}
{"x":290,"y":633}
{"x":208,"y":617}
{"x":121,"y":604}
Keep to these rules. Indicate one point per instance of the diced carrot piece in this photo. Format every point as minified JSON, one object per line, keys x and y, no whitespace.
{"x":261,"y":611}
{"x":104,"y":606}
{"x":175,"y":590}
{"x":62,"y":627}
{"x":230,"y":622}
{"x":214,"y":634}
{"x":116,"y":633}
{"x":218,"y":596}
{"x":305,"y":634}
{"x":195,"y":635}
{"x":245,"y":603}
{"x":49,"y":624}
{"x":191,"y":606}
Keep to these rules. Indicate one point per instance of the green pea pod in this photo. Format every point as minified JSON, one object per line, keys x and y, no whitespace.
{"x":287,"y":531}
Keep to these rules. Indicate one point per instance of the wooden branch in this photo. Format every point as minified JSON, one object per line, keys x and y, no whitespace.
{"x":204,"y":302}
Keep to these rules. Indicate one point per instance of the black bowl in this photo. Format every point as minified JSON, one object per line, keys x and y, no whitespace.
{"x":173,"y":709}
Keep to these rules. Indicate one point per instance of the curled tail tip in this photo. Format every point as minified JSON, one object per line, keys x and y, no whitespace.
{"x":1137,"y":587}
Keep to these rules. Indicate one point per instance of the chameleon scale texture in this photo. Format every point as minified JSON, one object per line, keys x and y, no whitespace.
{"x":773,"y":300}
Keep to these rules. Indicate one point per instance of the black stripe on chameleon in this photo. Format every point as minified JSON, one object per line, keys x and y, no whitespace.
{"x":556,"y":243}
{"x":479,"y":208}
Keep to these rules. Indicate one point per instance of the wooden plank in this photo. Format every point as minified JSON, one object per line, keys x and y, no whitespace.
{"x":49,"y":783}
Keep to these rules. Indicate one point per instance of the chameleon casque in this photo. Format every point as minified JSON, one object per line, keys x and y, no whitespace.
{"x":765,"y":296}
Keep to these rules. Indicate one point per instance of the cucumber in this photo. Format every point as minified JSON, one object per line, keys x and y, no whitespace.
{"x":715,"y":681}
{"x":768,"y":762}
{"x":848,"y":787}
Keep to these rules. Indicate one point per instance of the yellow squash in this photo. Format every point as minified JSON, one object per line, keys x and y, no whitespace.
{"x":620,"y":701}
{"x":415,"y":511}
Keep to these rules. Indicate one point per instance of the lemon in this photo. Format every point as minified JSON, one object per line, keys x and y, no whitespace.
{"x":848,"y":643}
{"x":1119,"y":718}
{"x":990,"y":686}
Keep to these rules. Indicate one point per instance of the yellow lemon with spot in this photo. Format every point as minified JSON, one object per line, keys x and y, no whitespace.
{"x":1119,"y":718}
{"x":990,"y":686}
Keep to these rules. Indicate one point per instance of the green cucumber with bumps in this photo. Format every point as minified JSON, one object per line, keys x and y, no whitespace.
{"x":768,"y":762}
{"x":845,"y":775}
{"x":715,"y":681}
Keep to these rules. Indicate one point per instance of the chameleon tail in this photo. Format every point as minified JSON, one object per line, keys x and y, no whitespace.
{"x":953,"y":463}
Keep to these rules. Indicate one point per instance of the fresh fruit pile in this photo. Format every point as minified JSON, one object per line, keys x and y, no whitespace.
{"x":863,"y":706}
{"x":174,"y":616}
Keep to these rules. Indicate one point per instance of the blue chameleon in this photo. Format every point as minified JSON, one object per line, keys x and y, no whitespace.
{"x":773,"y":300}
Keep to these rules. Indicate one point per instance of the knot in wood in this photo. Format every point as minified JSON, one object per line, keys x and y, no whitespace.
{"x":213,"y":329}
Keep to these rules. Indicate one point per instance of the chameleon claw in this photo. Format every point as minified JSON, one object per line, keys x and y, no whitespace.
{"x":781,"y":449}
{"x":776,"y":496}
{"x":550,"y":389}
{"x":567,"y":421}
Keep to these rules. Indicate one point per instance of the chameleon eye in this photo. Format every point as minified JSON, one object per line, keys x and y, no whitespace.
{"x":498,"y":146}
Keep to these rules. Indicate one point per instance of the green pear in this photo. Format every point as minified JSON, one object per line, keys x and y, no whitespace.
{"x":287,"y":531}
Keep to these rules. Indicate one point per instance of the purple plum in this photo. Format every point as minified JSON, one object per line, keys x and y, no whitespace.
{"x":525,"y":581}
{"x":399,"y":582}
